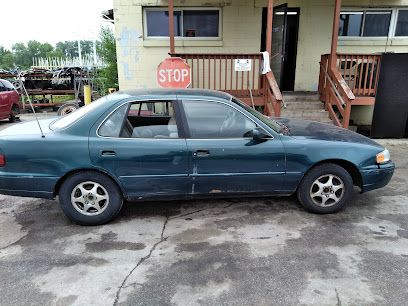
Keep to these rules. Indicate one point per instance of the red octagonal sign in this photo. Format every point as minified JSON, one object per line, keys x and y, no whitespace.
{"x":173,"y":72}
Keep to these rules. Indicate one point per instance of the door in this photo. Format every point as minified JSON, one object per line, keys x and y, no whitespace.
{"x":4,"y":104}
{"x":279,"y":41}
{"x":224,"y":158}
{"x":142,"y":145}
{"x":284,"y":44}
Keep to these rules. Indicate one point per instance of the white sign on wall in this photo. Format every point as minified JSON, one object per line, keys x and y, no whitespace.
{"x":243,"y":65}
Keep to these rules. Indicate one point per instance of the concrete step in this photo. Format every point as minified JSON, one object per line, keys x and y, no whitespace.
{"x":304,"y":106}
{"x":300,"y":97}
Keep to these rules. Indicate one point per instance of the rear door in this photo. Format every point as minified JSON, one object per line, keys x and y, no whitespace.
{"x":142,"y":144}
{"x":3,"y":101}
{"x":224,"y":158}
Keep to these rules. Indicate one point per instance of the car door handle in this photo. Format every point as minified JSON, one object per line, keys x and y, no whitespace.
{"x":108,"y":153}
{"x":201,"y":153}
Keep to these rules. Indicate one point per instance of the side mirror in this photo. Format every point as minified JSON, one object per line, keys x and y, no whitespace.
{"x":259,"y":134}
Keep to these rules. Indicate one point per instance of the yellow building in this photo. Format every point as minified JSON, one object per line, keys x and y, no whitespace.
{"x":301,"y":34}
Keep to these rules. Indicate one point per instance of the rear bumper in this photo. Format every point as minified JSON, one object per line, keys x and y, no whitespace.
{"x":28,"y":186}
{"x":377,"y":177}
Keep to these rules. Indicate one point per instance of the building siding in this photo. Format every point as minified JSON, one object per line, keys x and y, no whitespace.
{"x":241,"y":32}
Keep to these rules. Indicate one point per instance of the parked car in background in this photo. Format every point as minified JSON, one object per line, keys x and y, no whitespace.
{"x":182,"y":144}
{"x":9,"y":101}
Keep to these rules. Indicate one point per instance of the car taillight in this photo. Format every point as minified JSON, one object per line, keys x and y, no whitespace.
{"x":2,"y":160}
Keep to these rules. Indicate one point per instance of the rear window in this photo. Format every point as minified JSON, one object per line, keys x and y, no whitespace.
{"x":78,"y":114}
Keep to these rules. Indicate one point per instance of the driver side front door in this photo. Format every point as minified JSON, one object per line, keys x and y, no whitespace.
{"x":224,"y":157}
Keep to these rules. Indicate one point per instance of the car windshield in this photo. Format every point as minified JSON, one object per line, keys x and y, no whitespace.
{"x":76,"y":115}
{"x":268,"y":121}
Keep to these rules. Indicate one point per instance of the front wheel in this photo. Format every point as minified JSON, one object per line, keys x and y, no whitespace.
{"x":15,"y":111}
{"x":90,"y":198}
{"x":325,"y":189}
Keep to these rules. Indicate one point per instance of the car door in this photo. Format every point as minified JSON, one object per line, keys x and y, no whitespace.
{"x":3,"y":101}
{"x":224,"y":157}
{"x":141,"y":145}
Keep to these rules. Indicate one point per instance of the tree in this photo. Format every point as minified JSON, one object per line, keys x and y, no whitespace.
{"x":107,"y":51}
{"x":6,"y":58}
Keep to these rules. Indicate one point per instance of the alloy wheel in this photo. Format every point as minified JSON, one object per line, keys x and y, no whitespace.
{"x":327,"y":190}
{"x":89,"y":198}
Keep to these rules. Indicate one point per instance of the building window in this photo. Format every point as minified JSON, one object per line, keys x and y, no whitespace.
{"x":350,"y":23}
{"x":402,"y":23}
{"x":157,"y":23}
{"x":188,"y":22}
{"x":368,"y":23}
{"x":376,"y":24}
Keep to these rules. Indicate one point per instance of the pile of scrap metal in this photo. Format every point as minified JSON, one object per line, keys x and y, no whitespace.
{"x":46,"y":79}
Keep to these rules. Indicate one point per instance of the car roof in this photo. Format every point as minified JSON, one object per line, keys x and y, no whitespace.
{"x":190,"y":92}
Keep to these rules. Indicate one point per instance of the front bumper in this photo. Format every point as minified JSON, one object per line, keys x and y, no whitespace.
{"x":377,"y":176}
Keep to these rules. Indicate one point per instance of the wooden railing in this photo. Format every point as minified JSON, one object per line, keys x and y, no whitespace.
{"x":360,"y":72}
{"x":353,"y":82}
{"x":217,"y":72}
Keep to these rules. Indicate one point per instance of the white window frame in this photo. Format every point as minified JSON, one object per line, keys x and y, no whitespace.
{"x":394,"y":24}
{"x":391,"y":29}
{"x":146,"y":37}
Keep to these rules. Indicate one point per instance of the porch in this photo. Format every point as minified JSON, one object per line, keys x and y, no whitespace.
{"x":345,"y":79}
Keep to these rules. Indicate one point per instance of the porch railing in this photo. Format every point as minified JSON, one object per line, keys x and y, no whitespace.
{"x":217,"y":72}
{"x":353,"y":82}
{"x":359,"y":71}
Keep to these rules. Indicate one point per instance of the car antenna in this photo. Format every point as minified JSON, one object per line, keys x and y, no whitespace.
{"x":22,"y":86}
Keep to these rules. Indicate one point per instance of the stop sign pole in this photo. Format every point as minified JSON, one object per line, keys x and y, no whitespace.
{"x":173,"y":72}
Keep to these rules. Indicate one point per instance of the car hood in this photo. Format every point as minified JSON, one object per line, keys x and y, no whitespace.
{"x":28,"y":128}
{"x":322,"y":131}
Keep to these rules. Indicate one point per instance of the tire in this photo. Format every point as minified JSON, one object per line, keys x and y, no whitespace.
{"x":325,"y":189}
{"x":67,"y":108}
{"x":99,"y":202}
{"x":15,"y":110}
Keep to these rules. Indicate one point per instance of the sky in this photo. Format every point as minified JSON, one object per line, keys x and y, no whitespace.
{"x":50,"y":20}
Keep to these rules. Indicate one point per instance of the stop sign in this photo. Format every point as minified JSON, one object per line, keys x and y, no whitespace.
{"x":173,"y":72}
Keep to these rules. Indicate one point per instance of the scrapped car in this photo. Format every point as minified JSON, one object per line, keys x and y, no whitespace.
{"x":183,"y":144}
{"x":9,"y":101}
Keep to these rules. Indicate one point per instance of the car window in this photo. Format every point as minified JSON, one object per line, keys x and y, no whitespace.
{"x":67,"y":120}
{"x":152,"y":119}
{"x":7,"y":85}
{"x":268,"y":121}
{"x":210,"y":120}
{"x":145,"y":119}
{"x":112,"y":126}
{"x":2,"y":87}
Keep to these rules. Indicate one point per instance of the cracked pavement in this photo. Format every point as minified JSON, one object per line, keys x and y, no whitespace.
{"x":258,"y":251}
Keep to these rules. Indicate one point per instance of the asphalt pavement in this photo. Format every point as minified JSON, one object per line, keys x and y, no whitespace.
{"x":259,"y":251}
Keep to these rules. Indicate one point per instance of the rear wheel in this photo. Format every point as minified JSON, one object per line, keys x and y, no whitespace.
{"x":90,"y":198}
{"x":325,"y":189}
{"x":15,"y":111}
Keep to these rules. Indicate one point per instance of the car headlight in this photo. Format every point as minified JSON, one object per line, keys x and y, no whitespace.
{"x":383,"y":157}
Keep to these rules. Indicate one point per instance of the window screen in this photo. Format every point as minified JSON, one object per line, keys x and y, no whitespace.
{"x":402,"y":23}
